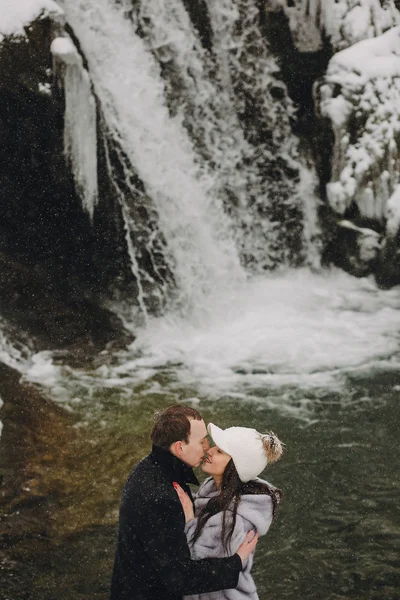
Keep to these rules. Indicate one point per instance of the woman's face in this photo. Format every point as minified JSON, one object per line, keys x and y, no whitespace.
{"x":215,"y":462}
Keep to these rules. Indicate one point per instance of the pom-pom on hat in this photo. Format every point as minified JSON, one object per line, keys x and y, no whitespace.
{"x":250,"y":450}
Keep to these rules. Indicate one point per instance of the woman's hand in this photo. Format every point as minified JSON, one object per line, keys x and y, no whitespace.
{"x":186,"y":502}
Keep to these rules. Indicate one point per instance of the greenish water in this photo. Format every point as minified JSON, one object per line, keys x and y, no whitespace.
{"x":338,"y":530}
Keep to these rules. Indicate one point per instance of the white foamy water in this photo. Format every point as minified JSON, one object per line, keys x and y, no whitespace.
{"x":296,"y":328}
{"x":13,"y":353}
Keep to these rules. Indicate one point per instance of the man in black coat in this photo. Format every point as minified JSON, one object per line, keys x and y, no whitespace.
{"x":152,"y":559}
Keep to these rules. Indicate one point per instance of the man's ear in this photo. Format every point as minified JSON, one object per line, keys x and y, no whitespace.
{"x":177,"y":448}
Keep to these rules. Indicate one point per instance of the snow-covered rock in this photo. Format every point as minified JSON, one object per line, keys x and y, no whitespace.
{"x":80,"y":143}
{"x":15,"y":15}
{"x":360,"y":96}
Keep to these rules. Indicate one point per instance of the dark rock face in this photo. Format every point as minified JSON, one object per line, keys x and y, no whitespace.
{"x":388,"y":268}
{"x":153,"y":274}
{"x":54,"y":312}
{"x":38,"y":200}
{"x":53,"y":275}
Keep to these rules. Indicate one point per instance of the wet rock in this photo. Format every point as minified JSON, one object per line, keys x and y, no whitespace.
{"x":53,"y":312}
{"x":37,"y":478}
{"x":356,"y":249}
{"x":34,"y":428}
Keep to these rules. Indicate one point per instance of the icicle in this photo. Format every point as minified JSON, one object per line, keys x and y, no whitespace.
{"x":393,"y":214}
{"x":80,"y":135}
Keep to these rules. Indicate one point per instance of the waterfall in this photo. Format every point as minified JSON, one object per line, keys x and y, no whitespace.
{"x":204,"y":143}
{"x":195,"y":136}
{"x":144,"y":242}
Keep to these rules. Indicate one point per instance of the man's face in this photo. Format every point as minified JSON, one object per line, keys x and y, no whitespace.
{"x":197,"y":446}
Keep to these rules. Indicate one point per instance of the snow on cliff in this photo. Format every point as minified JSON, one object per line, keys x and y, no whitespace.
{"x":360,"y":94}
{"x":15,"y":14}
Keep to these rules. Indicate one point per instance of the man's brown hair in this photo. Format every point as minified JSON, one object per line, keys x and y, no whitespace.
{"x":173,"y":425}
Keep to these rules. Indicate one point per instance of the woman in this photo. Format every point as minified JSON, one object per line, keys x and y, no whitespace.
{"x":233,"y":501}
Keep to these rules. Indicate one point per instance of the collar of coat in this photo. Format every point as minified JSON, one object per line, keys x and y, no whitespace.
{"x":174,"y":469}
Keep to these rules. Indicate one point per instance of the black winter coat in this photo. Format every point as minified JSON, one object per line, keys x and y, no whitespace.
{"x":152,"y":560}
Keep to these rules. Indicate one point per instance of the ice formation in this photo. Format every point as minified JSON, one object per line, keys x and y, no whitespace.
{"x":80,"y":140}
{"x":393,"y":213}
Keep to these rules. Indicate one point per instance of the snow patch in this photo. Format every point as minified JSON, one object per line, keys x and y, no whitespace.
{"x":64,"y":49}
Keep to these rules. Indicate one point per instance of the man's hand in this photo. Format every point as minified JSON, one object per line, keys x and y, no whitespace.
{"x":186,"y":502}
{"x":248,"y":546}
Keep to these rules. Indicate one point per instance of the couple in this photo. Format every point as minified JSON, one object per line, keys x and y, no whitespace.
{"x":167,"y":548}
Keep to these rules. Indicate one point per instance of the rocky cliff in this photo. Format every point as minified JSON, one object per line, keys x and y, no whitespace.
{"x":54,"y":274}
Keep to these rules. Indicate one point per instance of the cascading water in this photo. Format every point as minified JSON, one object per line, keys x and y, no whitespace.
{"x":144,"y":241}
{"x":200,"y":249}
{"x":237,"y":113}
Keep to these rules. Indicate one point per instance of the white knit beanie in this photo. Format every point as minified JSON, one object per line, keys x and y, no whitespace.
{"x":246,"y":448}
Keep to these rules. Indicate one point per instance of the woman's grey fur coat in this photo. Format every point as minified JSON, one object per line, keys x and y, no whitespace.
{"x":254,"y":512}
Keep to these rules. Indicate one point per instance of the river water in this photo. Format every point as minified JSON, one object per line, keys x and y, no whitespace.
{"x":337,"y":535}
{"x":318,"y":365}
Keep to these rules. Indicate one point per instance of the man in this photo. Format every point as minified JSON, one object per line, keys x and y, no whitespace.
{"x":152,"y":560}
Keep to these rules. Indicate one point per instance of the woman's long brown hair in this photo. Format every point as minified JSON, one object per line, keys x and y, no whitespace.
{"x":232,"y":488}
